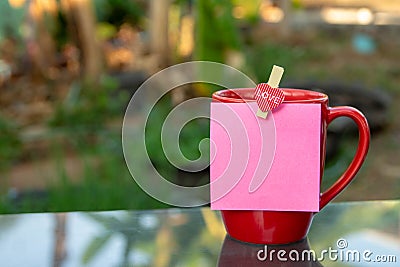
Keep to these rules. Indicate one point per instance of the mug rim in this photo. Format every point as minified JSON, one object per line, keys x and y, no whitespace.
{"x":292,"y":95}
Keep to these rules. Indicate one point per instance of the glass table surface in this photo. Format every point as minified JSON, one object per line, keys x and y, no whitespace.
{"x":343,"y":234}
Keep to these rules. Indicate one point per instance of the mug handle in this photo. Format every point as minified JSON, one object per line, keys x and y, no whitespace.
{"x":361,"y":153}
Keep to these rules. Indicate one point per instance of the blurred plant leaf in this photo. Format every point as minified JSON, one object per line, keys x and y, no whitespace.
{"x":106,"y":221}
{"x":95,"y":246}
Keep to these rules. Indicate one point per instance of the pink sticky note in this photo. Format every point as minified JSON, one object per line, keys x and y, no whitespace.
{"x":271,"y":164}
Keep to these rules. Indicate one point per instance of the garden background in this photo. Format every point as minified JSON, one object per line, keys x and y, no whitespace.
{"x":69,"y":67}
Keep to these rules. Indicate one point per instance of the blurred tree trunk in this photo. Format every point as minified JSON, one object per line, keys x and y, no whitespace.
{"x":285,"y":24}
{"x":40,"y":44}
{"x":159,"y":41}
{"x":82,"y":25}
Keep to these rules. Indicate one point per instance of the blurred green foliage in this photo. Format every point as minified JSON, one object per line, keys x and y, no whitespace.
{"x":262,"y":56}
{"x":250,"y":10}
{"x":88,"y":106}
{"x":189,"y":138}
{"x":105,"y":183}
{"x":10,"y":143}
{"x":153,"y":128}
{"x":118,"y":12}
{"x":216,"y":31}
{"x":10,"y":24}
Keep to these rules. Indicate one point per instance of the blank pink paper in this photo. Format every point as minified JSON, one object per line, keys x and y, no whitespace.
{"x":265,"y":164}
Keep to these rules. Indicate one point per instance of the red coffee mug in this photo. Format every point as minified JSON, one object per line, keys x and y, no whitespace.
{"x":283,"y":227}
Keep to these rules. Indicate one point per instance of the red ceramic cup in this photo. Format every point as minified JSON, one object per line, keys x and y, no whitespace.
{"x":282,"y":227}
